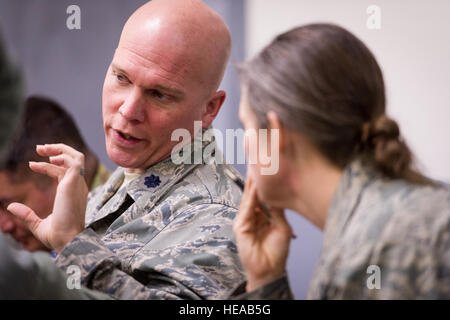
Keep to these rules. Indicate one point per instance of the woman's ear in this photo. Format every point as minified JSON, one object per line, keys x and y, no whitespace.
{"x":275,"y":124}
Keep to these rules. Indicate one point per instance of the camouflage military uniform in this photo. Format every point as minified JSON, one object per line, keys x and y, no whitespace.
{"x":166,"y":235}
{"x":400,"y":228}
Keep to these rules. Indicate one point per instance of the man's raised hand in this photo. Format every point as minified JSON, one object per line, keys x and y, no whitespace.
{"x":66,"y":165}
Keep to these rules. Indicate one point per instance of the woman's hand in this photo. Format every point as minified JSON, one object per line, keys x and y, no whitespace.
{"x":67,"y":219}
{"x":263,"y":245}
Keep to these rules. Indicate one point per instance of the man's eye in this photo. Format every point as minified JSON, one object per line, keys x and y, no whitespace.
{"x":157,"y":94}
{"x":121,"y":78}
{"x":4,"y":204}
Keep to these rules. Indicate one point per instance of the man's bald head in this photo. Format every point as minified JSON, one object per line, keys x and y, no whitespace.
{"x":163,"y":77}
{"x":195,"y":39}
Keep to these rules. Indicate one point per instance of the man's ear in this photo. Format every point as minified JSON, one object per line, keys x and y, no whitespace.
{"x":274,"y":123}
{"x":212,"y":108}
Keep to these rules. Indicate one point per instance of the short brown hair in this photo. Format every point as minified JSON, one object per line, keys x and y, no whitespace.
{"x":44,"y":121}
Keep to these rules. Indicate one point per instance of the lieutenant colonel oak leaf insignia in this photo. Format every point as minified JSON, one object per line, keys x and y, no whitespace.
{"x":152,"y":181}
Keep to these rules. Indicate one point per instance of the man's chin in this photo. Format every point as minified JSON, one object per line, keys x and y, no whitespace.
{"x":124,"y":161}
{"x":120,"y":158}
{"x":129,"y":160}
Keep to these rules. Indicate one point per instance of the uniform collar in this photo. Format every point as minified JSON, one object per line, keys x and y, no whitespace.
{"x":347,"y":197}
{"x":156,"y":181}
{"x":160,"y":177}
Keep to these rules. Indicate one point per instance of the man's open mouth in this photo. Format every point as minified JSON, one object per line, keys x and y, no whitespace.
{"x":127,"y":137}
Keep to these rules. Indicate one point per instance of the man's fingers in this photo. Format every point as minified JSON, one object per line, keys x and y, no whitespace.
{"x":59,"y":160}
{"x":48,"y":169}
{"x":47,"y":150}
{"x":25,"y":214}
{"x":51,"y":150}
{"x":65,"y":161}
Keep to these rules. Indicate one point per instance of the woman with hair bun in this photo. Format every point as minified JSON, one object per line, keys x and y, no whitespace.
{"x":343,"y":165}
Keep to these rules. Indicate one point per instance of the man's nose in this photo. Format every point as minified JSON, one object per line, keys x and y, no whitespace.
{"x":132,"y":109}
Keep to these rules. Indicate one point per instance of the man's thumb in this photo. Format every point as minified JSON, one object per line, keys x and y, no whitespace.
{"x":25,"y":214}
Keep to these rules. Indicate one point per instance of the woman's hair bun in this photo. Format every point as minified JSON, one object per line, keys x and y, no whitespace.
{"x":386,"y":128}
{"x":389,"y":152}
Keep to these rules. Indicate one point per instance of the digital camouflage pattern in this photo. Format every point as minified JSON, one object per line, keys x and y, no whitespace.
{"x":276,"y":290}
{"x":166,"y":235}
{"x":402,"y":228}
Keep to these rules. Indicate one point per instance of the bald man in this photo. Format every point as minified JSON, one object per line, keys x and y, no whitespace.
{"x":156,"y":229}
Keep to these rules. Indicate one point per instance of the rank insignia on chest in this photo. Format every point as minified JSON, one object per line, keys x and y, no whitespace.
{"x":152,"y":181}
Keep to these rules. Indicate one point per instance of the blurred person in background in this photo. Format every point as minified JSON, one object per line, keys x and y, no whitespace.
{"x":10,"y":98}
{"x":25,"y":275}
{"x":344,"y":166}
{"x":44,"y":122}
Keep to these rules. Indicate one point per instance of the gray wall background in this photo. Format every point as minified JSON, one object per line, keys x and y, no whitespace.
{"x":70,"y":65}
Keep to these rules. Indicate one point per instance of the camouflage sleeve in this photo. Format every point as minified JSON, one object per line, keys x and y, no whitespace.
{"x":276,"y":290}
{"x":26,"y":275}
{"x":416,"y":269}
{"x":193,"y":257}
